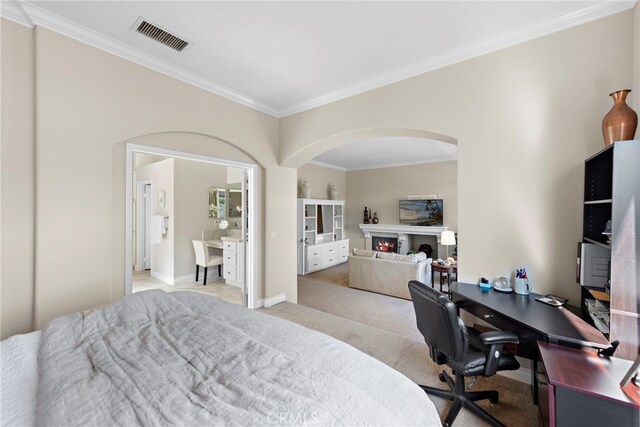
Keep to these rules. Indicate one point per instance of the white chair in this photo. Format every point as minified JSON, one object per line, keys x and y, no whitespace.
{"x":205,"y":260}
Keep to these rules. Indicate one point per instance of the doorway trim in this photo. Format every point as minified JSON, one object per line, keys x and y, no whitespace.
{"x":140,"y":225}
{"x":251,"y":283}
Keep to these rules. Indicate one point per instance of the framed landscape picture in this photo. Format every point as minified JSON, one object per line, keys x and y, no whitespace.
{"x":422,"y":212}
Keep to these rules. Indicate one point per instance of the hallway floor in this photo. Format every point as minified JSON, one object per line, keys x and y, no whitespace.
{"x":216,"y":286}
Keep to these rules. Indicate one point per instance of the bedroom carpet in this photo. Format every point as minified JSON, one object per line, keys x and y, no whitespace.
{"x":384,"y":327}
{"x":327,"y":290}
{"x":411,"y":358}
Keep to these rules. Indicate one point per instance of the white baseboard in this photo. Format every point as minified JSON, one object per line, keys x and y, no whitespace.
{"x":269,"y":302}
{"x":184,"y":279}
{"x":259,"y":304}
{"x":166,"y":279}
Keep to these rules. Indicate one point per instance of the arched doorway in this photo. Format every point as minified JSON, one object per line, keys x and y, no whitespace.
{"x":201,"y":149}
{"x":380,"y":187}
{"x":314,"y":149}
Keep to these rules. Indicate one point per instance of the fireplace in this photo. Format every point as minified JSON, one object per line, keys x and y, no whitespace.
{"x":404,"y":234}
{"x":384,"y":244}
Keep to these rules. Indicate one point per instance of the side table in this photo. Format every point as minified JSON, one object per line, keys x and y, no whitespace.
{"x":443,"y":269}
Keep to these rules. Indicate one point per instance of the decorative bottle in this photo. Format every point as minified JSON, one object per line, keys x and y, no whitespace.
{"x":366,"y":216}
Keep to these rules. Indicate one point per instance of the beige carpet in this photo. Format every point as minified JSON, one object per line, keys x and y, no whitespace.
{"x":216,"y":286}
{"x":326,"y":290}
{"x":384,"y":328}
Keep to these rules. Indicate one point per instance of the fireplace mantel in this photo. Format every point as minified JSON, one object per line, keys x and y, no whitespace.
{"x":400,"y":232}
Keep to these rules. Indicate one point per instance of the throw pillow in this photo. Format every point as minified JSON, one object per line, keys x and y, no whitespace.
{"x":364,"y":253}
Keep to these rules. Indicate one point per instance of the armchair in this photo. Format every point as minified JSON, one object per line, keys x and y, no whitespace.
{"x":466,"y":351}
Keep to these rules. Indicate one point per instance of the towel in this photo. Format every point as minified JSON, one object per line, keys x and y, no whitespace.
{"x":156,"y":229}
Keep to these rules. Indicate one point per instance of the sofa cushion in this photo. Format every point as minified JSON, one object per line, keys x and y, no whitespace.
{"x":364,"y":253}
{"x":414,"y":258}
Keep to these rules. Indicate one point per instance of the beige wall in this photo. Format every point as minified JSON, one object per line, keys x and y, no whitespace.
{"x":525,"y":118}
{"x":320,"y":178}
{"x":381,"y":189}
{"x":282,"y":278}
{"x":192,"y":182}
{"x":88,"y":103}
{"x":635,"y":101}
{"x":162,"y":177}
{"x":142,"y":159}
{"x":18,"y":179}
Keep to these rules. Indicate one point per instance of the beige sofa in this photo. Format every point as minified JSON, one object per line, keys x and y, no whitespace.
{"x":386,"y":276}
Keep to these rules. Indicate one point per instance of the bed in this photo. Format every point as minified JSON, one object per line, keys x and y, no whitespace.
{"x":182,"y":358}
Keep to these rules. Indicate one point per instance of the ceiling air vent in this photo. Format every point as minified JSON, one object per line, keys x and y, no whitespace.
{"x":158,"y":34}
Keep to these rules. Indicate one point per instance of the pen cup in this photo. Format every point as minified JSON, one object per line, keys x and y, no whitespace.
{"x":521,"y":286}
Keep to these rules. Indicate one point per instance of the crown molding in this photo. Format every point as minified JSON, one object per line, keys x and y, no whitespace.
{"x":401,"y":164}
{"x":25,"y":13}
{"x":384,"y":166}
{"x":327,"y":165}
{"x":13,"y":11}
{"x":481,"y":47}
{"x":43,"y":18}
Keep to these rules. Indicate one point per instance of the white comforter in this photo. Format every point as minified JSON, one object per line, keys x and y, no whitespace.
{"x":156,"y":358}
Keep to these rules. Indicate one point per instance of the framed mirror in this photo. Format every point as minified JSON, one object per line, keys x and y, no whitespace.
{"x":217,"y":203}
{"x":235,"y":203}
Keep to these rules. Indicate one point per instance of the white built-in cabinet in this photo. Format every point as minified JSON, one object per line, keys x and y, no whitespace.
{"x":233,"y":264}
{"x":321,"y":235}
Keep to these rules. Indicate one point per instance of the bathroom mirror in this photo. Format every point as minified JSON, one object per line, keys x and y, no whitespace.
{"x":235,"y":203}
{"x":217,"y":202}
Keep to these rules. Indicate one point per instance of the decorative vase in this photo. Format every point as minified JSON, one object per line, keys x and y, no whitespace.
{"x":621,"y":121}
{"x":333,"y":191}
{"x":365,"y":220}
{"x":375,"y":218}
{"x":306,"y":189}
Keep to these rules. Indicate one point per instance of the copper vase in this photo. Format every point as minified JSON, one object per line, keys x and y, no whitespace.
{"x":621,"y":121}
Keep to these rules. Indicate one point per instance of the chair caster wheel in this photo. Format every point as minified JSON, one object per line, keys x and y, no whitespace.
{"x":441,"y":377}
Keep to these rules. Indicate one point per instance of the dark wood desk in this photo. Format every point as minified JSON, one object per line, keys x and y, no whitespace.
{"x":531,"y":320}
{"x":577,"y":387}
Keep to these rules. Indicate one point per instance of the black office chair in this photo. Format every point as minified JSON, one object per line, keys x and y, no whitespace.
{"x":466,"y":351}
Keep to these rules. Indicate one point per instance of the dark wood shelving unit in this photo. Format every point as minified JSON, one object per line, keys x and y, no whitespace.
{"x":612,"y":193}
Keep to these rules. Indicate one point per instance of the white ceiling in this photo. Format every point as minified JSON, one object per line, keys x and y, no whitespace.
{"x":374,"y":153}
{"x":286,"y":57}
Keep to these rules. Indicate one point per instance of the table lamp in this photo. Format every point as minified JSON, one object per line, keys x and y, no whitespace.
{"x":447,"y":238}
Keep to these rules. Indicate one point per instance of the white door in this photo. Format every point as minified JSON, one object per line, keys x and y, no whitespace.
{"x":245,"y":231}
{"x":146,"y":215}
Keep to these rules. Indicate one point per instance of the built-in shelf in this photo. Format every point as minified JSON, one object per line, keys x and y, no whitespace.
{"x":595,"y":242}
{"x":598,"y":202}
{"x":599,"y":294}
{"x":325,"y":245}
